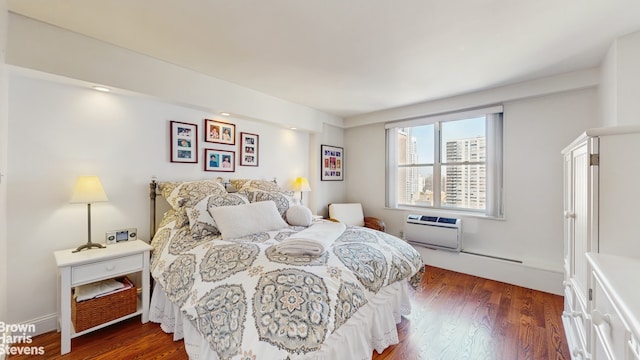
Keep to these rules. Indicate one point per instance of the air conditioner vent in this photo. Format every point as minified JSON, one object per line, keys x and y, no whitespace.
{"x":434,"y":232}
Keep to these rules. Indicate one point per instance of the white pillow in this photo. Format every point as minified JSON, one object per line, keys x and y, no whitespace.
{"x":201,"y":223}
{"x":299,"y":215}
{"x":242,"y":220}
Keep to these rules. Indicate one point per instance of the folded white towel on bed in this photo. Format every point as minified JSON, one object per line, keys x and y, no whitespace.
{"x":312,"y":241}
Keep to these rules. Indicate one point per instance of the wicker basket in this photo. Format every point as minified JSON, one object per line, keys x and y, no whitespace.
{"x":89,"y":313}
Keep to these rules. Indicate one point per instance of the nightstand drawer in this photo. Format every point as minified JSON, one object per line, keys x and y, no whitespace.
{"x":104,"y":269}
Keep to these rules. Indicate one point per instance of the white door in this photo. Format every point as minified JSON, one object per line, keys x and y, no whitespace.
{"x":581,"y":214}
{"x":569,"y":224}
{"x":581,"y":222}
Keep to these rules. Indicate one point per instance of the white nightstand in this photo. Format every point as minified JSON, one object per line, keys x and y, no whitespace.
{"x":93,"y":265}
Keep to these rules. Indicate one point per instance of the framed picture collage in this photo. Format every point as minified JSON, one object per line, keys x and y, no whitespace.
{"x":184,"y":145}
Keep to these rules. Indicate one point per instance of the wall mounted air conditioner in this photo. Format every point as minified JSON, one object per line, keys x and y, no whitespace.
{"x":434,"y":232}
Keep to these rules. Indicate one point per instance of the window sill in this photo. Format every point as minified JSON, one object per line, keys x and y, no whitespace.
{"x":444,"y":212}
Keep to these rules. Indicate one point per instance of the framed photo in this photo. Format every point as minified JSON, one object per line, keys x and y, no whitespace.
{"x":331,"y":163}
{"x":184,"y":142}
{"x":248,"y":149}
{"x":219,"y":132}
{"x":219,"y":160}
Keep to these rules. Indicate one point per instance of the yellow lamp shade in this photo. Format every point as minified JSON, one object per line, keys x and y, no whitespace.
{"x":88,"y":190}
{"x":301,"y":184}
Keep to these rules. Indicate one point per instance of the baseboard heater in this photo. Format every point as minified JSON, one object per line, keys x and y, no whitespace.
{"x":434,"y":232}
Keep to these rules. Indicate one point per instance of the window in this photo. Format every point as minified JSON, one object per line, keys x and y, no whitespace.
{"x":451,"y":161}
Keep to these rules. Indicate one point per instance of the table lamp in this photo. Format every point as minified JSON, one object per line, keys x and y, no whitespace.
{"x":88,"y":190}
{"x":301,"y":184}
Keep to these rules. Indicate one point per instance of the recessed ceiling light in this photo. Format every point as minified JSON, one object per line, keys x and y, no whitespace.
{"x":225,"y":114}
{"x":293,"y":128}
{"x":101,"y":88}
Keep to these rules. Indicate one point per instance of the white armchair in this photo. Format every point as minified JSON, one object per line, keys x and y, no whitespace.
{"x":352,"y":214}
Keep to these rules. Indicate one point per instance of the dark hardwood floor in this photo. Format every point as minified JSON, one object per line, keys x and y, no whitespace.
{"x":454,"y":317}
{"x":458,"y":316}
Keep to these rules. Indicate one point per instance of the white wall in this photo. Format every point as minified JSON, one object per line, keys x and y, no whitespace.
{"x":608,"y":89}
{"x":544,"y":86}
{"x":535,"y":131}
{"x":326,"y":192}
{"x":628,"y":58}
{"x":365,"y":158}
{"x":4,"y":105}
{"x":36,"y":45}
{"x":620,"y":82}
{"x":59,"y":132}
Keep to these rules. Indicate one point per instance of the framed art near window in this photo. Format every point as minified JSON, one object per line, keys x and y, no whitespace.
{"x":248,"y":149}
{"x":184,"y":142}
{"x":219,"y":132}
{"x":219,"y":160}
{"x":331,"y":163}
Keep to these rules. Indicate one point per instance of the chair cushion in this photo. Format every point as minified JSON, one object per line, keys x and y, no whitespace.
{"x":350,"y":214}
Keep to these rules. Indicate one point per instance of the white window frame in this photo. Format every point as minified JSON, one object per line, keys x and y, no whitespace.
{"x":494,"y":159}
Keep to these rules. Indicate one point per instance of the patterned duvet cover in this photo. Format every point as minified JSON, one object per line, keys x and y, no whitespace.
{"x":245,"y":298}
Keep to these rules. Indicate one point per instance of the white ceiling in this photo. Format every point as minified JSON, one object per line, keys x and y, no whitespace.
{"x":349,"y":57}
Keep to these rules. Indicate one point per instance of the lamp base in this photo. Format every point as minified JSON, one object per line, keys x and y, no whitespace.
{"x":89,"y":245}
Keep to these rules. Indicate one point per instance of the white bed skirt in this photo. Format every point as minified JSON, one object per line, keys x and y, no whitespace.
{"x":350,"y":341}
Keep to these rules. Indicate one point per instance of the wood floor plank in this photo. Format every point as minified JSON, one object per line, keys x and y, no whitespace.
{"x":454,"y":317}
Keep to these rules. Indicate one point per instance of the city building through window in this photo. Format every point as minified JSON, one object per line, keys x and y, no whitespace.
{"x":451,"y":161}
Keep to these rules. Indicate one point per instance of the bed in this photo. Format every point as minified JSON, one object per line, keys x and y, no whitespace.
{"x":235,"y":276}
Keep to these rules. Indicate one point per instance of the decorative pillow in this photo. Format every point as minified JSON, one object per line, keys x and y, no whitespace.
{"x":177,"y":215}
{"x":283,"y":199}
{"x":172,"y":218}
{"x":250,"y":185}
{"x":189,"y":193}
{"x":299,"y":215}
{"x":242,"y":220}
{"x":201,"y":222}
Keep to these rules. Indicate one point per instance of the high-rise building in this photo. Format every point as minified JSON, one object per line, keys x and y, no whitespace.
{"x":465,"y":184}
{"x":408,"y":181}
{"x":462,"y":185}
